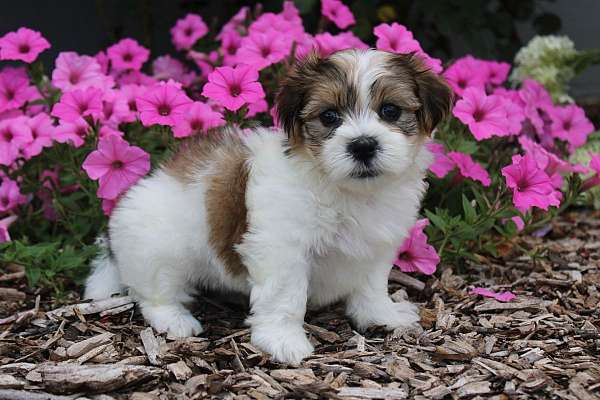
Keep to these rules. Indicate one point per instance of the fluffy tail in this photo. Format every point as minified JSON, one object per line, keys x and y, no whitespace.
{"x":104,"y":279}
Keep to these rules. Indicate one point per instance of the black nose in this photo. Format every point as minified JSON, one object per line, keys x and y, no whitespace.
{"x":363,"y":148}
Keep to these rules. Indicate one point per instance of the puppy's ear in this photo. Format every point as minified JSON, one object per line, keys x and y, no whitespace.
{"x":292,"y":97}
{"x":435,"y":95}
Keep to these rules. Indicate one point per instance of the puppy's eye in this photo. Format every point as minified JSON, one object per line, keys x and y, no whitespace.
{"x":390,"y":112}
{"x":330,"y":118}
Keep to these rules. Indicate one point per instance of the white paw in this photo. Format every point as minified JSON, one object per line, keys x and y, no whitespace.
{"x":175,"y":320}
{"x":405,"y":315}
{"x":286,"y":344}
{"x":386,"y":313}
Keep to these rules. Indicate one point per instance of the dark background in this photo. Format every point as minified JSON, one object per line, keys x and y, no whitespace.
{"x":446,"y":28}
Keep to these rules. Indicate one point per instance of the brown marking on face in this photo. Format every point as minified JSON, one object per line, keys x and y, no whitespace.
{"x":219,"y":160}
{"x":313,"y":86}
{"x":433,"y":95}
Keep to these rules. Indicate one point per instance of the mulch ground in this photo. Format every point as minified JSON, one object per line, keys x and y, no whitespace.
{"x":544,"y":344}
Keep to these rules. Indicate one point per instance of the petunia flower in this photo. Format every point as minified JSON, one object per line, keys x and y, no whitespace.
{"x":42,"y":133}
{"x":549,"y":162}
{"x":234,"y":87}
{"x":198,"y":118}
{"x":5,"y":223}
{"x":570,"y":124}
{"x":469,"y":168}
{"x":132,"y":77}
{"x":263,"y":49}
{"x":131,"y":93}
{"x":496,"y":72}
{"x":167,"y":67}
{"x":485,"y":115}
{"x":116,"y":165}
{"x":465,"y":73}
{"x":115,"y":109}
{"x":416,"y":254}
{"x":441,"y":165}
{"x":127,"y":54}
{"x":230,"y":43}
{"x":10,"y":196}
{"x":397,"y":39}
{"x":503,"y":297}
{"x":236,"y":22}
{"x":327,"y":44}
{"x":163,"y":104}
{"x":24,"y":45}
{"x":537,"y":101}
{"x":15,"y":89}
{"x":187,"y":31}
{"x":14,"y":135}
{"x":73,"y":71}
{"x":73,"y":133}
{"x":79,"y":103}
{"x":531,"y":186}
{"x":338,"y":13}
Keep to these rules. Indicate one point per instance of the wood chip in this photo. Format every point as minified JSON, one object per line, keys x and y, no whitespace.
{"x":151,"y":346}
{"x":180,"y":370}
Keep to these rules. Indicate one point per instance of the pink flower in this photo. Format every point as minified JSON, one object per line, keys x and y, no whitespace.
{"x":187,"y":31}
{"x":485,"y":115}
{"x":132,"y":77}
{"x":234,"y":87}
{"x":230,"y":43}
{"x":327,"y":44}
{"x":415,"y":254}
{"x":15,"y":90}
{"x":14,"y":135}
{"x":116,"y":165}
{"x":10,"y":196}
{"x":465,"y":73}
{"x":263,"y":49}
{"x":163,"y":104}
{"x":531,"y":186}
{"x":594,"y":180}
{"x":469,"y":168}
{"x":515,"y":113}
{"x":42,"y":132}
{"x":547,"y":161}
{"x":496,"y":72}
{"x":5,"y":223}
{"x":73,"y":133}
{"x":166,"y":67}
{"x":236,"y":22}
{"x":503,"y":297}
{"x":338,"y":13}
{"x":103,"y":60}
{"x":79,"y":103}
{"x":198,"y":118}
{"x":73,"y":71}
{"x":115,"y":109}
{"x":441,"y":165}
{"x":24,"y":45}
{"x":127,"y":54}
{"x":537,"y":102}
{"x":569,"y":123}
{"x":395,"y":38}
{"x":131,"y":93}
{"x":108,"y":206}
{"x":257,"y":107}
{"x":519,"y":223}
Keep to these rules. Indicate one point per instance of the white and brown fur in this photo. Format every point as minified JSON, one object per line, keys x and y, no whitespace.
{"x":291,"y":220}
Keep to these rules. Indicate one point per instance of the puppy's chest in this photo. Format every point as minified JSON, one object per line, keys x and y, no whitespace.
{"x":356,"y":230}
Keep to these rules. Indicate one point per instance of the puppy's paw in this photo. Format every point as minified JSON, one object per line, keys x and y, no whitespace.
{"x":286,"y":344}
{"x":385,"y":313}
{"x":405,"y":316}
{"x":175,"y":320}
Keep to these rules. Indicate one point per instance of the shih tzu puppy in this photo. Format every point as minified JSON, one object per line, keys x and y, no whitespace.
{"x":307,"y":218}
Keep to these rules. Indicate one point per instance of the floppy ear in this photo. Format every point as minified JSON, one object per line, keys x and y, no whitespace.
{"x":435,"y":95}
{"x":292,"y":97}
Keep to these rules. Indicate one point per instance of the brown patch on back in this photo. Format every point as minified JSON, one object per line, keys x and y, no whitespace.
{"x":220,"y":161}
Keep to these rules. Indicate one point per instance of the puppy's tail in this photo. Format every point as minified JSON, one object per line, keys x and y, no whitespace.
{"x":104,"y":279}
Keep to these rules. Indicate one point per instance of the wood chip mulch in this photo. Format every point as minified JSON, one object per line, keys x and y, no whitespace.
{"x":544,"y":344}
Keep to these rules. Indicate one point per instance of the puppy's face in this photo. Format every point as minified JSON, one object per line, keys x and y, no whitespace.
{"x":361,"y":115}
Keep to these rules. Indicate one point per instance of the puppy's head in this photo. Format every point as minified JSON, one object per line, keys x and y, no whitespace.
{"x":361,"y":115}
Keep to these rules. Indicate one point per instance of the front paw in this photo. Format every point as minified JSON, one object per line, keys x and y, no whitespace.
{"x":286,"y":344}
{"x":175,"y":320}
{"x":385,"y":313}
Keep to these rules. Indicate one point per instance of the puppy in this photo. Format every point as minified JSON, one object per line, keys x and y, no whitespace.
{"x":310,"y":217}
